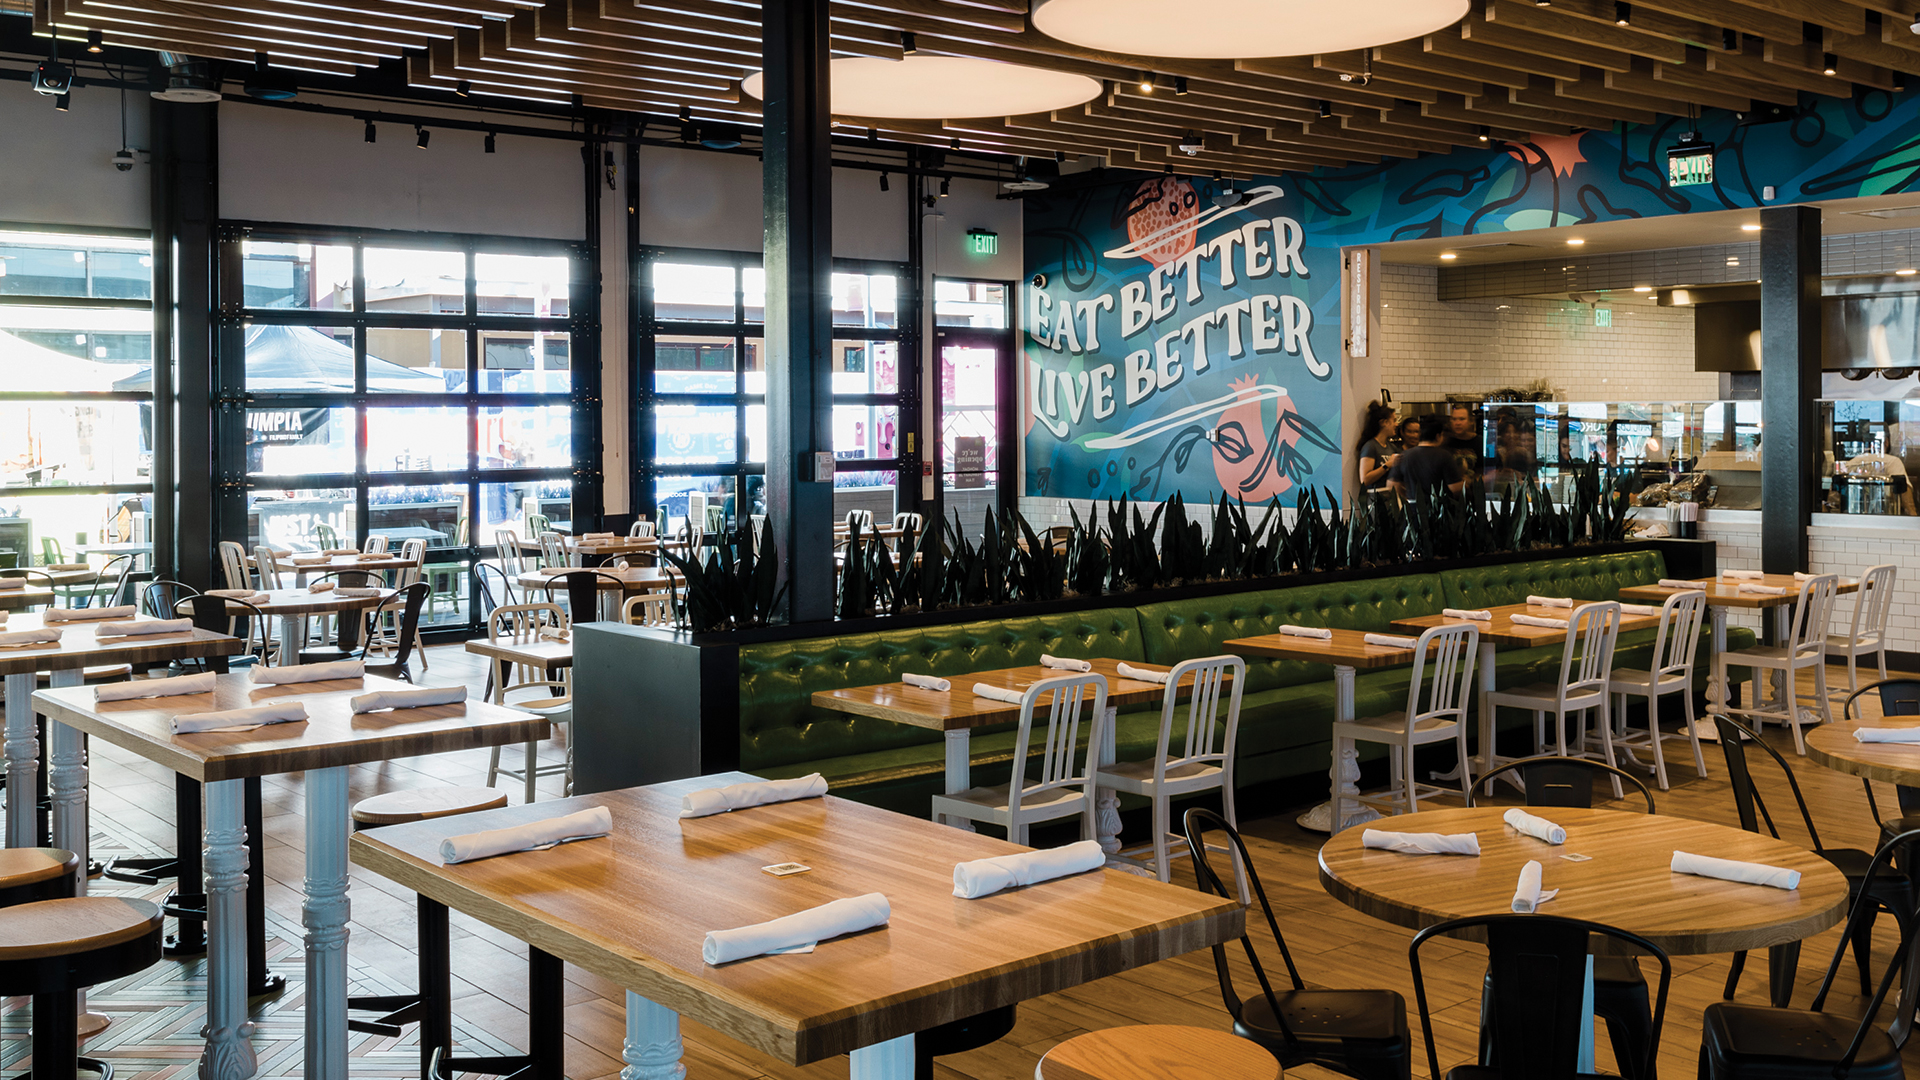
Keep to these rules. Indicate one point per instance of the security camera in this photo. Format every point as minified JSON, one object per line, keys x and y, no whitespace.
{"x":124,"y":160}
{"x":1039,"y":281}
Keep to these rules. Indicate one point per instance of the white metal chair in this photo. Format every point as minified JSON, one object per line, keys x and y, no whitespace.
{"x":1435,"y":716}
{"x":1586,"y":662}
{"x":553,"y":550}
{"x":1674,"y":646}
{"x":376,"y":544}
{"x":907,"y":519}
{"x":233,"y":565}
{"x":640,"y":530}
{"x":1867,"y":634}
{"x":381,"y":637}
{"x":1065,"y":785}
{"x":1205,"y":761}
{"x":267,"y":567}
{"x":519,"y":623}
{"x":538,"y":697}
{"x":1805,"y":649}
{"x":506,"y":543}
{"x":649,"y":609}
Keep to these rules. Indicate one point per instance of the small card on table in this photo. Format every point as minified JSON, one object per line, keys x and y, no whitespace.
{"x":785,"y":868}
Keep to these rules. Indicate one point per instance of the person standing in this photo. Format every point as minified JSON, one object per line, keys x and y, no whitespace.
{"x":1427,"y":467}
{"x":1463,"y":440}
{"x":1377,"y":433}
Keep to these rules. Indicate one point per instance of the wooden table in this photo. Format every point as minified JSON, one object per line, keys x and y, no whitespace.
{"x":1347,"y":651}
{"x":1502,"y":630}
{"x":633,"y":581}
{"x":958,"y":711}
{"x":28,"y":596}
{"x":1628,"y":884}
{"x":1158,"y":1052}
{"x":544,"y":655}
{"x":292,"y":606}
{"x":332,"y":740}
{"x":341,"y":563}
{"x":634,"y":907}
{"x":1722,"y":594}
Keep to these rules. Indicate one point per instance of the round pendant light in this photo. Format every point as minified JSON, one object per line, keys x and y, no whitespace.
{"x":944,"y":88}
{"x":1239,"y":29}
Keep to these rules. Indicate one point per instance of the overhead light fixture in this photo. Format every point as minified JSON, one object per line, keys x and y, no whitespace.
{"x":1146,"y":84}
{"x":946,"y":184}
{"x":884,"y":186}
{"x":1751,"y":226}
{"x":189,"y":83}
{"x":689,"y":131}
{"x":1730,"y":39}
{"x":1904,"y":273}
{"x":1326,"y":109}
{"x":1622,"y":13}
{"x":1542,"y":3}
{"x":463,"y":88}
{"x":1191,"y":145}
{"x":369,"y":135}
{"x":1829,"y":64}
{"x":716,"y":136}
{"x":1643,"y":288}
{"x":489,"y":143}
{"x":1486,"y":132}
{"x":954,"y":144}
{"x":266,"y":84}
{"x":421,"y":136}
{"x":1575,"y":241}
{"x":1448,"y":256}
{"x":96,"y":42}
{"x":1179,"y":86}
{"x":63,"y":103}
{"x":1231,"y":29}
{"x":908,"y":46}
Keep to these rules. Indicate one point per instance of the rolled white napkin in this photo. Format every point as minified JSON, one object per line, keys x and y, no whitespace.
{"x":13,"y":583}
{"x":1887,"y":734}
{"x":760,"y":793}
{"x":1128,"y":671}
{"x":299,"y":673}
{"x":596,"y":536}
{"x":279,"y":712}
{"x":1392,"y":641}
{"x":1428,"y":843}
{"x":1551,"y":601}
{"x":322,"y":586}
{"x":89,"y":614}
{"x":279,"y":553}
{"x":408,"y":699}
{"x":984,"y":877}
{"x":311,"y":560}
{"x":135,"y":627}
{"x":1477,"y":614}
{"x":1537,"y":827}
{"x":1733,"y":870}
{"x":997,"y":693}
{"x":926,"y":682}
{"x":1763,"y":590}
{"x":1742,"y":575}
{"x":1061,"y":663}
{"x":353,"y":590}
{"x":247,"y":595}
{"x":1801,"y":575}
{"x":147,"y":688}
{"x":1538,"y":620}
{"x":341,"y":551}
{"x":376,"y":556}
{"x":64,"y":566}
{"x":1679,"y":583}
{"x":1527,"y":896}
{"x":798,"y":932}
{"x":30,"y":637}
{"x":1639,"y":609}
{"x":1320,"y":632}
{"x":533,"y":836}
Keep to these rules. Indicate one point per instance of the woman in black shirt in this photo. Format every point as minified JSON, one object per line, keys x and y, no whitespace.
{"x":1376,"y":433}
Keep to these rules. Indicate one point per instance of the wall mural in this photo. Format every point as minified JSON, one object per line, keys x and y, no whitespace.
{"x":1176,"y":345}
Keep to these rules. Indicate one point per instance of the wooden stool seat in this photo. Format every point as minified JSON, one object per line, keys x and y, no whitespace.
{"x":419,"y":804}
{"x":37,"y":874}
{"x":79,"y":924}
{"x":89,"y":676}
{"x":1158,"y":1052}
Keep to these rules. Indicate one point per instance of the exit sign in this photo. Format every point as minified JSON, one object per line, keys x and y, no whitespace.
{"x":1690,"y":164}
{"x":983,"y":242}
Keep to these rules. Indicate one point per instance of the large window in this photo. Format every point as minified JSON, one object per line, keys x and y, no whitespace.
{"x":975,"y":349}
{"x":76,"y":397}
{"x":418,"y":387}
{"x":704,"y":403}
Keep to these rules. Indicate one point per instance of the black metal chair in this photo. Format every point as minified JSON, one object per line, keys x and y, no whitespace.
{"x":583,"y":593}
{"x":1620,"y":994}
{"x":34,"y":577}
{"x":1538,"y":964}
{"x":1898,"y":697}
{"x":1359,"y":1033}
{"x":216,"y":614}
{"x":1755,"y":1042}
{"x":414,"y":601}
{"x":109,"y":582}
{"x":488,"y":601}
{"x":1892,"y":893}
{"x":162,"y":597}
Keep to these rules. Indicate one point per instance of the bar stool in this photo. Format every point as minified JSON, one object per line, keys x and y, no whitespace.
{"x":52,"y":949}
{"x":1157,"y":1052}
{"x":30,"y":874}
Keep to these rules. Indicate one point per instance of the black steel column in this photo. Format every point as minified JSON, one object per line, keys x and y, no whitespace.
{"x":1789,"y":383}
{"x":186,"y":158}
{"x":797,"y":178}
{"x":165,"y":563}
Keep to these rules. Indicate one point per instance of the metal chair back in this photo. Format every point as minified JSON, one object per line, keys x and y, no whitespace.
{"x":1209,"y":739}
{"x":1062,"y":761}
{"x":1449,"y":652}
{"x":1587,"y":662}
{"x":233,"y":565}
{"x":376,"y":544}
{"x":267,"y":566}
{"x":1553,"y":780}
{"x":553,"y":550}
{"x":1873,"y":602}
{"x":1811,"y":617}
{"x":640,"y":530}
{"x":651,"y":609}
{"x":1678,"y":638}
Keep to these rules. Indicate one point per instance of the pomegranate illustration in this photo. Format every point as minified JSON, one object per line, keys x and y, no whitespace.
{"x":1247,"y":466}
{"x":1158,"y":204}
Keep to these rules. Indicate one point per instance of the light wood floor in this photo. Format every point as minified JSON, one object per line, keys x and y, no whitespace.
{"x":1333,"y":945}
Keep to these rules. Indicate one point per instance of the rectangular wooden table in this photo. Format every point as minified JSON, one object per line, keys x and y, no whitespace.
{"x":1723,"y":594}
{"x":958,"y":711}
{"x":331,"y":740}
{"x":635,"y":906}
{"x":1504,"y":631}
{"x":1347,"y":651}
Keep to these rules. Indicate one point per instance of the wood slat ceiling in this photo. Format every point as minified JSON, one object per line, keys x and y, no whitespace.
{"x":1511,"y":68}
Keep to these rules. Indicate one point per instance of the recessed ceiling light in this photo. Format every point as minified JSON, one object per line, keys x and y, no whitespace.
{"x":1574,"y":241}
{"x":1904,"y":273}
{"x":1751,"y":227}
{"x":1643,"y":288}
{"x":923,"y":87}
{"x":1448,"y":256}
{"x":1230,"y":29}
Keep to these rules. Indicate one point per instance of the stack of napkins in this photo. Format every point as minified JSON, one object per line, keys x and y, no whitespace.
{"x":740,"y":796}
{"x":279,"y":712}
{"x":1733,"y":870}
{"x":797,"y":933}
{"x":983,"y":877}
{"x":1422,"y":843}
{"x":533,"y":836}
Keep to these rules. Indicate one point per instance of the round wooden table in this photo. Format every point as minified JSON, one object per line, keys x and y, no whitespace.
{"x":1627,"y":884}
{"x":1834,"y":746}
{"x":1157,"y":1052}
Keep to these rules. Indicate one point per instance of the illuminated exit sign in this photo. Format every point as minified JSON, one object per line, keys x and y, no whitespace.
{"x":983,"y":242}
{"x":1690,"y":164}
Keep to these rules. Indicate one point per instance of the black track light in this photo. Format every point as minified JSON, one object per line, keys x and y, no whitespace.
{"x":1730,"y":39}
{"x":1486,"y":132}
{"x":370,"y":133}
{"x":873,"y":135}
{"x":1059,"y":155}
{"x":62,"y":102}
{"x":463,"y":88}
{"x":1829,"y":64}
{"x":1179,"y":86}
{"x":1899,"y":80}
{"x":96,"y":41}
{"x":955,"y":144}
{"x":1146,"y":82}
{"x":1326,"y":110}
{"x":1169,"y":170}
{"x":1622,"y":13}
{"x":579,"y":101}
{"x":884,"y":186}
{"x":946,"y":183}
{"x":907,"y":44}
{"x":489,"y":142}
{"x":421,"y":136}
{"x":1542,"y":3}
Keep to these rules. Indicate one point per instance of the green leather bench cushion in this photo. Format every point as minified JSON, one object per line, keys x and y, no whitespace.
{"x":1584,"y":577}
{"x":780,"y":726}
{"x":1178,"y":630}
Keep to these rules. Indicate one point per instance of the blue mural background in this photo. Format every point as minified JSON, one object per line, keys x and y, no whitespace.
{"x":1226,"y":427}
